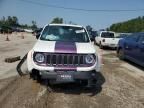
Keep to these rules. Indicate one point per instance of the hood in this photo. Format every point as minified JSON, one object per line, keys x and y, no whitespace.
{"x":44,"y":46}
{"x":63,"y":47}
{"x":85,"y":48}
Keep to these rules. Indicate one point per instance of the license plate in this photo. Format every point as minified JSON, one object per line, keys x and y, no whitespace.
{"x":65,"y":77}
{"x":112,"y":45}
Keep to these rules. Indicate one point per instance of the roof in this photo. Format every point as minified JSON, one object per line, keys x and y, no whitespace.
{"x":141,"y":32}
{"x":107,"y":31}
{"x":138,"y":33}
{"x":65,"y":25}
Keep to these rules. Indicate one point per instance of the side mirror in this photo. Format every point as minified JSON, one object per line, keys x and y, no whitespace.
{"x":37,"y":35}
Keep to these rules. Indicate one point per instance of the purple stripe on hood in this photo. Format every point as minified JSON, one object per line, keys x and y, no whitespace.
{"x":65,"y":47}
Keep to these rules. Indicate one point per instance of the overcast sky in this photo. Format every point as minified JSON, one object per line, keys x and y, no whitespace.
{"x":40,"y":11}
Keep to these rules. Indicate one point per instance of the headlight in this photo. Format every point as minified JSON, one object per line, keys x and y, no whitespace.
{"x":39,"y":57}
{"x":89,"y":59}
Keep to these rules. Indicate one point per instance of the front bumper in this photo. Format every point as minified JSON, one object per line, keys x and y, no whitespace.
{"x":68,"y":76}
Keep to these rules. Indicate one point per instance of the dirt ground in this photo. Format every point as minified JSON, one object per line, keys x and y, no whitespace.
{"x":16,"y":46}
{"x":122,"y":83}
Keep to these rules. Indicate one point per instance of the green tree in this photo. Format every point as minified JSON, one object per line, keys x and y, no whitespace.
{"x":34,"y":25}
{"x":10,"y":21}
{"x":133,"y":25}
{"x":57,"y":20}
{"x":14,"y":21}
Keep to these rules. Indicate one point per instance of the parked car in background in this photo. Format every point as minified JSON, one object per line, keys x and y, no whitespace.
{"x":106,"y":39}
{"x":37,"y":31}
{"x":121,"y":36}
{"x":132,"y":48}
{"x":17,"y":29}
{"x":92,"y":35}
{"x":28,"y":30}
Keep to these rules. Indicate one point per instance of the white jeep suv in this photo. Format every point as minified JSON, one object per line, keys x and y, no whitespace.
{"x":64,"y":53}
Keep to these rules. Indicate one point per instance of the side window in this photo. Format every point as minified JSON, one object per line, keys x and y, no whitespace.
{"x":45,"y":31}
{"x":133,"y":38}
{"x":141,"y":39}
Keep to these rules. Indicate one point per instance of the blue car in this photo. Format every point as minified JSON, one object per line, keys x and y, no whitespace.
{"x":132,"y":48}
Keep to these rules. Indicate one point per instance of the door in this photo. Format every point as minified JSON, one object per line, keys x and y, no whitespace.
{"x":129,"y":45}
{"x":140,"y":49}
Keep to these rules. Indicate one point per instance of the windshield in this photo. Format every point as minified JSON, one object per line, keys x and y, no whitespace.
{"x":121,"y":36}
{"x":64,"y":33}
{"x":107,"y":35}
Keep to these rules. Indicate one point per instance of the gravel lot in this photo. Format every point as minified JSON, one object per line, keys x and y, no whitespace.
{"x":122,"y":83}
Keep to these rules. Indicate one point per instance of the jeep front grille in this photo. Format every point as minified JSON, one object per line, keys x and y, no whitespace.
{"x":65,"y":60}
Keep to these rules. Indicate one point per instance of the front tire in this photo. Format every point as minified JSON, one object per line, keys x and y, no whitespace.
{"x":100,"y":46}
{"x":121,"y":54}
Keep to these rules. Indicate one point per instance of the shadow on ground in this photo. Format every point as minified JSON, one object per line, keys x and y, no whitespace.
{"x":135,"y":65}
{"x":76,"y":88}
{"x":109,"y":49}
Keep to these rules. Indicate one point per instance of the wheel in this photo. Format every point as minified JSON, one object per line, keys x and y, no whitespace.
{"x":121,"y":54}
{"x":94,"y":42}
{"x":35,"y":75}
{"x":100,"y":46}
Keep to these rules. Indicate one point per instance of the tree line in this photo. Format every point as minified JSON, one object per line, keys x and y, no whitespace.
{"x":130,"y":26}
{"x":13,"y":22}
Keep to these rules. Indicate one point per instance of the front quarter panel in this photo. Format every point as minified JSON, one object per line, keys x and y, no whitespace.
{"x":121,"y":43}
{"x":29,"y":60}
{"x":98,"y":65}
